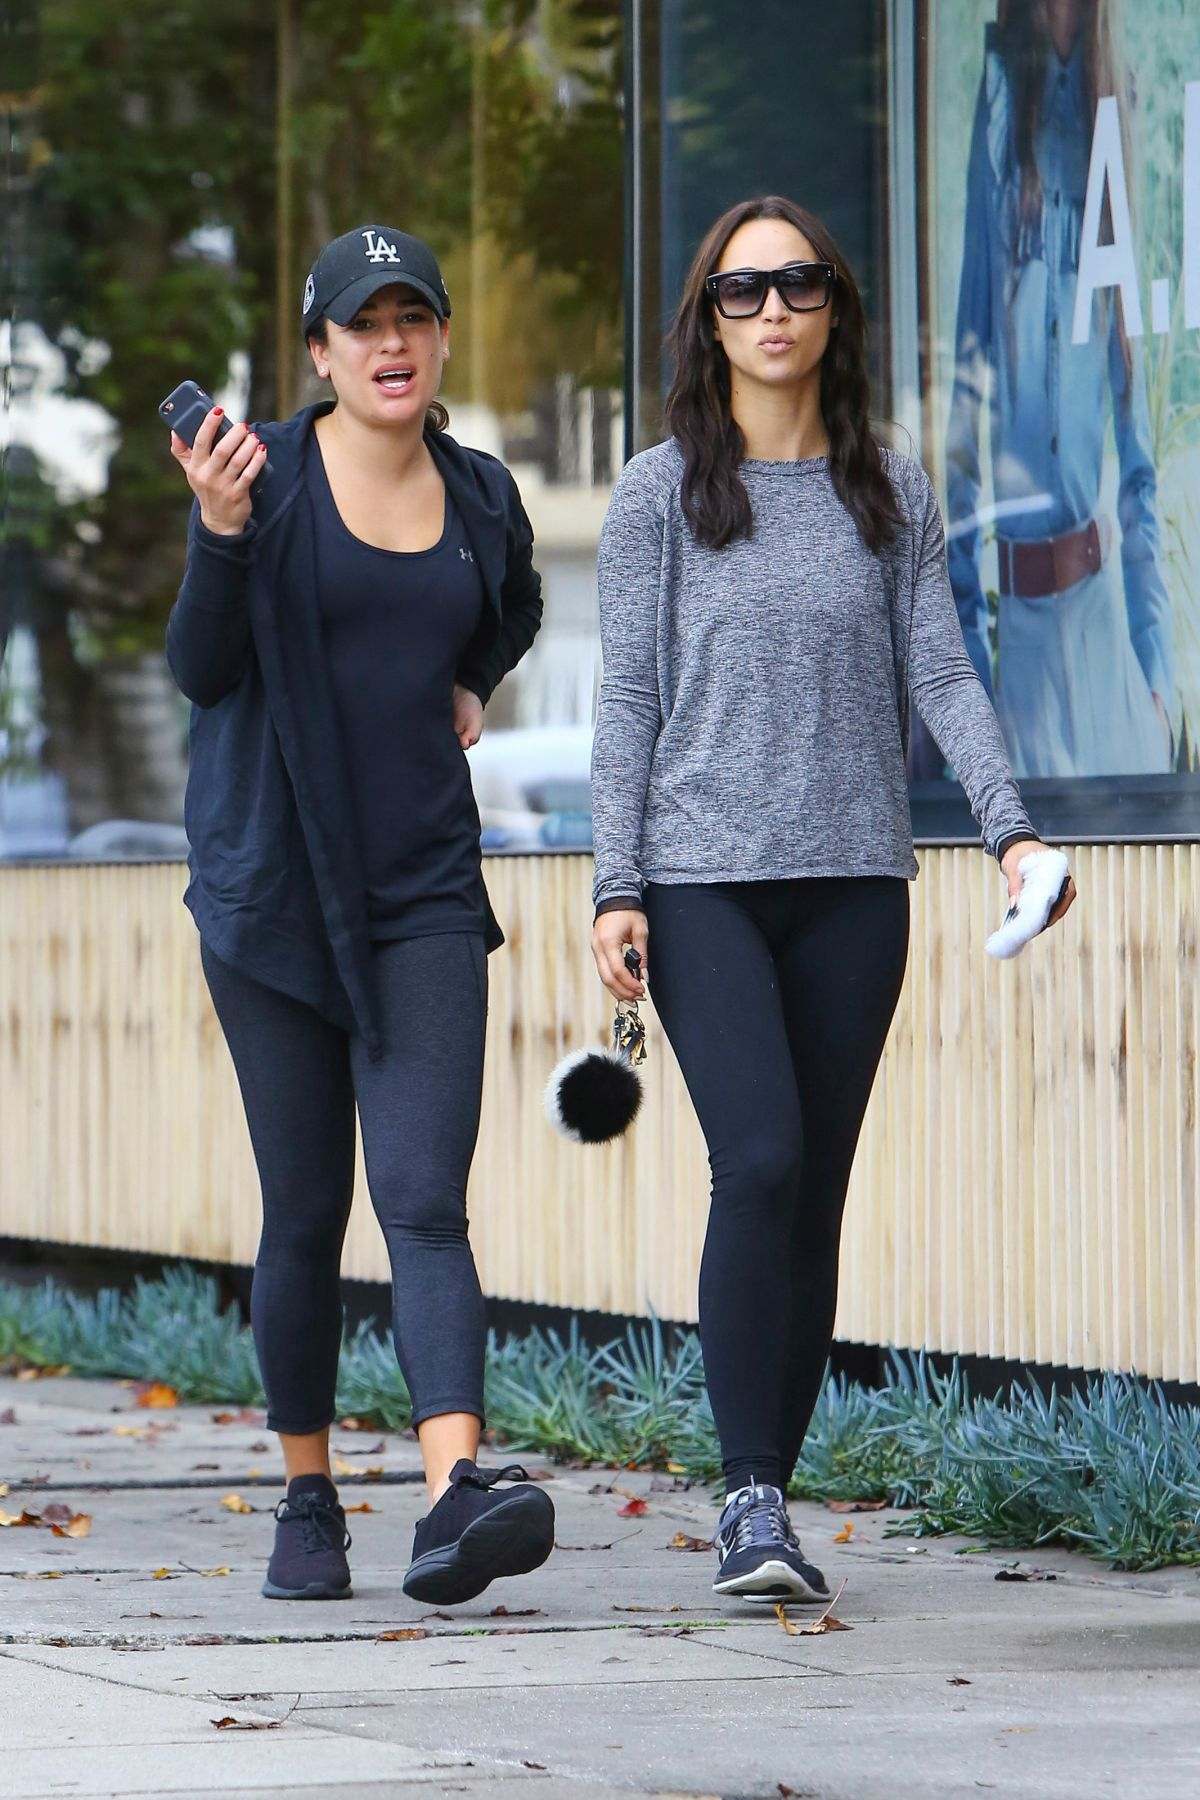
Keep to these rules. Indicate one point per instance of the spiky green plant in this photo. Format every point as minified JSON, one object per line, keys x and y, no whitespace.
{"x":1113,"y":1468}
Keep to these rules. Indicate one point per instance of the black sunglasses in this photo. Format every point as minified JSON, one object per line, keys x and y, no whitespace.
{"x":802,"y":286}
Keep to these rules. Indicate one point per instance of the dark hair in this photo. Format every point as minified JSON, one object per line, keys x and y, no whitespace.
{"x":715,"y":502}
{"x":436,"y":416}
{"x":1025,"y":42}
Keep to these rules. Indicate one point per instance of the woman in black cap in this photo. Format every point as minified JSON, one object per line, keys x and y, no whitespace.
{"x":357,"y":584}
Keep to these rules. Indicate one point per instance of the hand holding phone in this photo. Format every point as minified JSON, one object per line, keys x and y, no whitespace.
{"x":222,"y":460}
{"x":1044,"y":878}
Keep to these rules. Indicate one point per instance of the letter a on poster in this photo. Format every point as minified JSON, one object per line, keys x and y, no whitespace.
{"x":1106,"y":265}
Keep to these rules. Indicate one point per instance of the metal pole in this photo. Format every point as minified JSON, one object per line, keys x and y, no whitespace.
{"x":285,"y":300}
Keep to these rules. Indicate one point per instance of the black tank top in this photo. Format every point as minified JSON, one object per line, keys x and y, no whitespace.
{"x":395,"y":623}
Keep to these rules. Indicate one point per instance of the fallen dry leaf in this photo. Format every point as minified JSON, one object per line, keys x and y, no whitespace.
{"x":221,"y":1569}
{"x":77,"y":1526}
{"x":8,"y":1416}
{"x":342,"y":1467}
{"x":3,"y":1489}
{"x":139,"y":1431}
{"x":852,"y":1506}
{"x":156,"y":1394}
{"x":681,"y":1541}
{"x":958,"y":1681}
{"x":402,"y":1636}
{"x":676,"y":1469}
{"x":49,"y":1575}
{"x":524,"y":1612}
{"x":845,"y":1534}
{"x":235,"y":1503}
{"x":21,"y":1518}
{"x":165,"y":1575}
{"x":1024,"y":1575}
{"x":363,"y":1506}
{"x":632,"y":1509}
{"x":826,"y":1622}
{"x":646,"y":1609}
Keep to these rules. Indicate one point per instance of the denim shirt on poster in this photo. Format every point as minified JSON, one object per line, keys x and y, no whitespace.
{"x":1051,"y":399}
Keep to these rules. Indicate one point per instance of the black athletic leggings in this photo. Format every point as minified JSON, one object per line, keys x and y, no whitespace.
{"x":776,"y":997}
{"x":418,"y":1106}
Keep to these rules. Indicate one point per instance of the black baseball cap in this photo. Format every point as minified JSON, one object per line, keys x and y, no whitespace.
{"x":351,"y":268}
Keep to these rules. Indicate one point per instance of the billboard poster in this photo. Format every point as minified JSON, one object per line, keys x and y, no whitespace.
{"x":1060,"y":145}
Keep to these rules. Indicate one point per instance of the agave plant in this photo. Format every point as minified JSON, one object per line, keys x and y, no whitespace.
{"x":369,"y":1383}
{"x":1113,"y":1468}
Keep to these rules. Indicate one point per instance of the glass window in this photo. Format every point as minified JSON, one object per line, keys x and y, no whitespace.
{"x":1018,"y":191}
{"x":172,"y":174}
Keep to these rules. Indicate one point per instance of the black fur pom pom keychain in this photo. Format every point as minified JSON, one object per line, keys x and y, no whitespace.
{"x":594,"y":1095}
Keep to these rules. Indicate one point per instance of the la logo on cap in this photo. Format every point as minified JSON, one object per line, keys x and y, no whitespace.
{"x":378,"y":248}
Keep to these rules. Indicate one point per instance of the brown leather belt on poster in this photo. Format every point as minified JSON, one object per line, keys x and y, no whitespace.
{"x":1036,"y":568}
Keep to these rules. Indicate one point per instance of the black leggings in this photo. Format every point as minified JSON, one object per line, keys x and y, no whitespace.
{"x":300,"y":1077}
{"x":776,"y":997}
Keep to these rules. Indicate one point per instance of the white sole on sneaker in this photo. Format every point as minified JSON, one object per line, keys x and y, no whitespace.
{"x":771,"y":1581}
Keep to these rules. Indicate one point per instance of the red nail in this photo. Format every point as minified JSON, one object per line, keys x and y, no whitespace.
{"x":219,"y":410}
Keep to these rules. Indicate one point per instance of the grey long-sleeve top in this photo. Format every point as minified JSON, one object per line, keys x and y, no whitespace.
{"x":754,"y":709}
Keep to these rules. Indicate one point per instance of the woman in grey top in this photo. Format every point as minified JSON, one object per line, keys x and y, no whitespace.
{"x":773,"y":588}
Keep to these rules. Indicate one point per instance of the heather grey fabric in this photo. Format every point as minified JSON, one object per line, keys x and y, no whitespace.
{"x":754,"y":710}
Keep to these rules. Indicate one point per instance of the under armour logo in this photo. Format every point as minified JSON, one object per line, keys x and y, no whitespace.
{"x":465,"y":553}
{"x":378,"y":248}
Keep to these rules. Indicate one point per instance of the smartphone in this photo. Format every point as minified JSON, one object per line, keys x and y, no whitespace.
{"x":185,"y":410}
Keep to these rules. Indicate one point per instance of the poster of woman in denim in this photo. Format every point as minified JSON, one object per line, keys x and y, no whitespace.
{"x":1082,"y":667}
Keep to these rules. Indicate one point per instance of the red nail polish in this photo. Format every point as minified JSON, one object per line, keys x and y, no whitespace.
{"x":219,"y":410}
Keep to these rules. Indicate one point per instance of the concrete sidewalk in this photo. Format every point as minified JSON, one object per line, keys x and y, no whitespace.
{"x":614,"y":1668}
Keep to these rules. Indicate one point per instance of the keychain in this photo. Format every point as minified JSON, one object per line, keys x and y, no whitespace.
{"x":594,"y":1095}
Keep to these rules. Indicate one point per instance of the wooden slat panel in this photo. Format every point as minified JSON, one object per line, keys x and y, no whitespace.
{"x":1027,"y":1179}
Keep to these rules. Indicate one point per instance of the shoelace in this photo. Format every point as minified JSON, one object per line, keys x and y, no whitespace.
{"x":318,"y":1520}
{"x":758,"y":1520}
{"x":481,"y":1479}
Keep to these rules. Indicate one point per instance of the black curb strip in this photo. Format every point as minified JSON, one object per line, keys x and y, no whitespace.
{"x":391,"y":1478}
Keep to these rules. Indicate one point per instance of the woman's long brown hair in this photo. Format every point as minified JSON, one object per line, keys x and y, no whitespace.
{"x":1027,"y":46}
{"x":715,"y":502}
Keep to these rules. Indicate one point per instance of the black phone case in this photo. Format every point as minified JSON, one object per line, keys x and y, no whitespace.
{"x":185,"y":410}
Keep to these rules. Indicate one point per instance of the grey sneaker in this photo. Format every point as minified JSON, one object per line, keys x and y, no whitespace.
{"x":759,"y":1555}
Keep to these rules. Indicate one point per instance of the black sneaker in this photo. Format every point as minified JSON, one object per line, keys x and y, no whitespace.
{"x":759,"y":1554}
{"x":474,"y":1534}
{"x":311,"y":1541}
